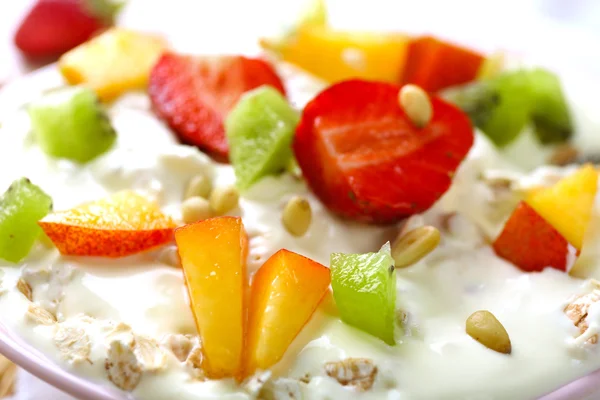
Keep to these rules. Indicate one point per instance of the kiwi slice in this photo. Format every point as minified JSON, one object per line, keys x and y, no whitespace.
{"x":21,"y":207}
{"x":260,"y":129}
{"x":504,"y":105}
{"x":550,"y":113}
{"x":71,"y":123}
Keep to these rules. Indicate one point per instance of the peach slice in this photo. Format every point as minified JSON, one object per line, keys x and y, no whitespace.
{"x":532,"y":244}
{"x":567,"y":205}
{"x":112,"y":63}
{"x":120,"y":225}
{"x":213,"y":254}
{"x":285,"y":292}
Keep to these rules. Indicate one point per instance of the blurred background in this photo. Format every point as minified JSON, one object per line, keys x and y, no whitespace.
{"x":556,"y":32}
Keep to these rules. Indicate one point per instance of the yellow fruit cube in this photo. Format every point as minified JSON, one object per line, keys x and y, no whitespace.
{"x":336,"y":55}
{"x":567,"y":205}
{"x":112,"y":63}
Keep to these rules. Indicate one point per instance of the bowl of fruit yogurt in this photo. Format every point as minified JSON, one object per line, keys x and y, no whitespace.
{"x":177,"y":225}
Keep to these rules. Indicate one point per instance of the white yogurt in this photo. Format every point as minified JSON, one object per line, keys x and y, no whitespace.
{"x":433,"y":359}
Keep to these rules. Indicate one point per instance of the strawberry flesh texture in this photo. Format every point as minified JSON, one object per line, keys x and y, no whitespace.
{"x":531,"y":243}
{"x":195,"y":94}
{"x":365,"y":160}
{"x":53,"y":27}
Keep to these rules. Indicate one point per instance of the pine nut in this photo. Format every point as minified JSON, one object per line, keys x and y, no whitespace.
{"x":297,"y":216}
{"x":224,"y":199}
{"x":486,"y":329}
{"x":195,"y":209}
{"x":414,"y":245}
{"x":199,"y":185}
{"x":416,"y":104}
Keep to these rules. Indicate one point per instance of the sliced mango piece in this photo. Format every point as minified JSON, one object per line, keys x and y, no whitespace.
{"x":336,"y":55}
{"x":285,"y":292}
{"x":213,"y":254}
{"x":114,"y":62}
{"x":120,"y":225}
{"x":567,"y":205}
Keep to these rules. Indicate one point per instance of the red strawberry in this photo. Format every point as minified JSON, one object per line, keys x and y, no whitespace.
{"x":195,"y":94}
{"x":365,"y":160}
{"x":52,"y":27}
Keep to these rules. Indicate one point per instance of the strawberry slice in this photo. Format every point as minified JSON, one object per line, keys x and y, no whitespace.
{"x":366,"y":161}
{"x":52,"y":27}
{"x":195,"y":94}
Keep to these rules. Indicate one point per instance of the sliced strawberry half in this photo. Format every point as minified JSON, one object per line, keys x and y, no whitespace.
{"x":366,"y":161}
{"x":195,"y":94}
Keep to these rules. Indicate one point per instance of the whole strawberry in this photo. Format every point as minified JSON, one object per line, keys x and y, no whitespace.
{"x":53,"y":27}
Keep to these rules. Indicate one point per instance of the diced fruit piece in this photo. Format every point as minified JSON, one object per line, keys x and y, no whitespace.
{"x":120,"y":225}
{"x":54,"y":26}
{"x":531,"y":243}
{"x":195,"y":94}
{"x":70,"y":123}
{"x":500,"y":107}
{"x":434,"y":64}
{"x":503,"y":105}
{"x":567,"y":205}
{"x":550,"y":113}
{"x":364,"y":289}
{"x":338,"y":55}
{"x":259,"y":130}
{"x":213,"y":254}
{"x":285,"y":292}
{"x":113,"y":63}
{"x":366,"y":161}
{"x":21,"y":207}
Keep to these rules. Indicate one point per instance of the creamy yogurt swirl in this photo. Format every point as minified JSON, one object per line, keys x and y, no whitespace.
{"x":141,"y":296}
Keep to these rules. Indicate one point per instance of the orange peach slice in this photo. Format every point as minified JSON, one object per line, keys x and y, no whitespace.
{"x":121,"y":225}
{"x":285,"y":292}
{"x":213,"y":254}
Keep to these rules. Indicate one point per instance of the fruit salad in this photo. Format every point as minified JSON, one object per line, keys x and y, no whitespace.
{"x":288,"y":226}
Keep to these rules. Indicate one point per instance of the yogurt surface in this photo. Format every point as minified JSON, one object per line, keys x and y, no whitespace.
{"x":144,"y":297}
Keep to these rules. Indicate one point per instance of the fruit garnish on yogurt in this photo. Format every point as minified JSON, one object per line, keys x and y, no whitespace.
{"x":503,"y":105}
{"x":364,"y":288}
{"x":286,"y":290}
{"x":195,"y":94}
{"x":120,"y":225}
{"x":113,"y":63}
{"x":365,"y":158}
{"x":260,"y":129}
{"x":70,"y":123}
{"x":21,"y":206}
{"x":213,"y":254}
{"x":52,"y":27}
